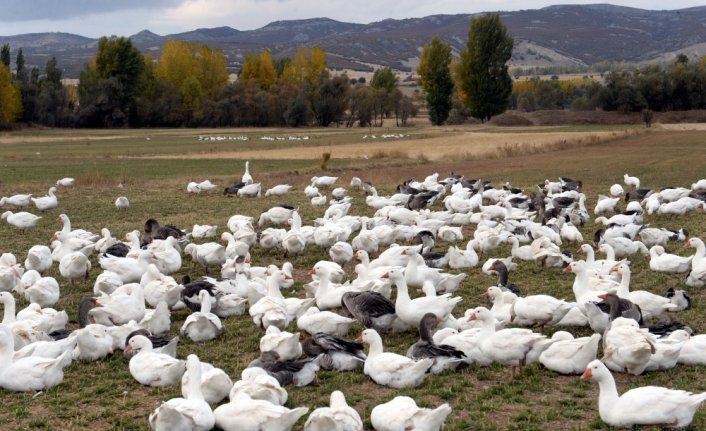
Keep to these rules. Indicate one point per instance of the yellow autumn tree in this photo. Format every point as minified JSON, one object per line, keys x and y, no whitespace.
{"x":10,"y":98}
{"x":266,"y":73}
{"x":308,"y":66}
{"x":193,"y":69}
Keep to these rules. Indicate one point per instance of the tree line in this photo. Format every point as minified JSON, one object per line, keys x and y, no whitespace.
{"x":188,"y":86}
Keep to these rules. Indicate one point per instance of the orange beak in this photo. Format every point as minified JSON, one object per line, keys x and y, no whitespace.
{"x":587,"y":374}
{"x":312,"y":271}
{"x":98,"y":304}
{"x":603,"y":296}
{"x":687,"y":244}
{"x":54,"y":237}
{"x":359,"y":339}
{"x":473,"y":317}
{"x":569,"y":268}
{"x":486,"y":294}
{"x":287,"y":277}
{"x":385,"y":275}
{"x":614,"y":269}
{"x":128,"y":348}
{"x":246,"y":261}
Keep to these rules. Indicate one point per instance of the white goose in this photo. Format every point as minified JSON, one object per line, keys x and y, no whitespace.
{"x":32,"y":373}
{"x":247,"y":178}
{"x":40,"y":290}
{"x":341,"y":252}
{"x":401,"y":413}
{"x":650,"y":304}
{"x":647,"y":405}
{"x":327,"y":294}
{"x":278,"y":190}
{"x":126,"y":303}
{"x":250,"y":191}
{"x":260,"y":386}
{"x":21,"y":220}
{"x":214,"y":383}
{"x":129,"y":270}
{"x":313,"y":320}
{"x":626,"y":348}
{"x":190,"y":413}
{"x":411,"y":311}
{"x":391,"y":369}
{"x":569,"y":355}
{"x":693,"y":351}
{"x":159,"y":287}
{"x":74,"y":266}
{"x":515,"y":347}
{"x":202,"y":231}
{"x":202,"y":325}
{"x":154,"y":369}
{"x":245,"y":413}
{"x":208,"y":254}
{"x":697,"y":276}
{"x":48,"y":202}
{"x":293,"y":241}
{"x":365,"y":240}
{"x":339,"y":416}
{"x":38,"y":258}
{"x":661,"y":261}
{"x":285,"y":343}
{"x":18,"y":201}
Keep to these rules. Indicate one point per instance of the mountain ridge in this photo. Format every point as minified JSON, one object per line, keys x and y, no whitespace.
{"x":558,"y":35}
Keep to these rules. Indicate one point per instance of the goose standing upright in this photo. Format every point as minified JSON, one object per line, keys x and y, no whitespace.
{"x":411,"y":311}
{"x":647,"y":405}
{"x":247,"y":178}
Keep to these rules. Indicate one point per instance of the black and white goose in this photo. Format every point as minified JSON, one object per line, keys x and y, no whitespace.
{"x":334,"y":352}
{"x":445,"y":357}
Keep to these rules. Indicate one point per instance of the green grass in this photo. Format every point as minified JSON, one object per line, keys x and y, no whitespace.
{"x":103,"y":395}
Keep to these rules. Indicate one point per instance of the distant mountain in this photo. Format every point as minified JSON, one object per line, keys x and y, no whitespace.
{"x":555,"y":35}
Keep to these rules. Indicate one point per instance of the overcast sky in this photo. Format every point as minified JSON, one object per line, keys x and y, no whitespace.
{"x":94,"y":18}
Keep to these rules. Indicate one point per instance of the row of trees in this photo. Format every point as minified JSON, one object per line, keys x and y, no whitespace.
{"x":188,"y":86}
{"x":678,"y":86}
{"x":480,"y":79}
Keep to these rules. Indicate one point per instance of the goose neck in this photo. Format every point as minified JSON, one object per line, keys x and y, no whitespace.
{"x":607,"y":394}
{"x":194,"y":384}
{"x":9,"y":312}
{"x":375,"y":347}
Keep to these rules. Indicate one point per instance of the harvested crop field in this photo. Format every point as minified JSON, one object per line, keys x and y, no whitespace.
{"x":154,"y":166}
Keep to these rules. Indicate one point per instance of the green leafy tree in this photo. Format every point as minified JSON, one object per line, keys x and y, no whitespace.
{"x":384,"y":84}
{"x":332,"y":100}
{"x":20,"y":68}
{"x":111,"y":83}
{"x":435,"y":79}
{"x":485,"y":85}
{"x":5,"y":55}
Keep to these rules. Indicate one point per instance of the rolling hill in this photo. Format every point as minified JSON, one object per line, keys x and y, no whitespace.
{"x":555,"y":35}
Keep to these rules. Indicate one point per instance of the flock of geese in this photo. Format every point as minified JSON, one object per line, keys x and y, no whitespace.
{"x":134,"y":296}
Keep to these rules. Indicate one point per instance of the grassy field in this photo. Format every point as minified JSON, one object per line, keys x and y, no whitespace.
{"x":103,"y":395}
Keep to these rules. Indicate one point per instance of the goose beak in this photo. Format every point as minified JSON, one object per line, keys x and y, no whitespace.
{"x":98,"y":304}
{"x":54,"y":237}
{"x":614,"y":269}
{"x":603,"y":295}
{"x":473,"y":316}
{"x":485,"y":294}
{"x":312,"y":271}
{"x":128,"y":348}
{"x":287,"y":277}
{"x":385,"y":275}
{"x":687,"y":244}
{"x":404,"y":252}
{"x":568,"y":268}
{"x":587,"y":374}
{"x":359,"y":339}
